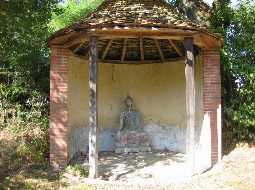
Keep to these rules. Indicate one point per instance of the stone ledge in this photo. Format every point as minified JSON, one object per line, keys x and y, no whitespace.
{"x":132,"y":149}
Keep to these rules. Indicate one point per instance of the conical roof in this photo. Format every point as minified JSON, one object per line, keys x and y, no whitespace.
{"x":156,"y":13}
{"x":139,"y":17}
{"x":138,"y":13}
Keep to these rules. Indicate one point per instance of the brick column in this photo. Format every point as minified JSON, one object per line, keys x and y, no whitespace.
{"x":212,"y":97}
{"x":59,"y":131}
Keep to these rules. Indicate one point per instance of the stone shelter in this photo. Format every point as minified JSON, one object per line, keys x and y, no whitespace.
{"x":165,"y":58}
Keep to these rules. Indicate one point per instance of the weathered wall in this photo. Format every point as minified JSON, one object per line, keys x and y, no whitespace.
{"x":59,"y":128}
{"x":159,"y":94}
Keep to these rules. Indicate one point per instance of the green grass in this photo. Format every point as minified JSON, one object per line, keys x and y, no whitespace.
{"x":40,"y":178}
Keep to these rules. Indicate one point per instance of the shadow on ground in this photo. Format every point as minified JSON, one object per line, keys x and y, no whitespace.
{"x":149,"y":166}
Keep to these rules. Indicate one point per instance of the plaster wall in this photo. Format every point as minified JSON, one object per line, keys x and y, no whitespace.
{"x":158,"y":91}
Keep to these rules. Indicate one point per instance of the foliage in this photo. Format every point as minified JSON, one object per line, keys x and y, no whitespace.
{"x":24,"y":136}
{"x":71,"y":11}
{"x":238,"y":60}
{"x":23,"y":48}
{"x":24,"y":76}
{"x":24,"y":82}
{"x":76,"y":170}
{"x":34,"y":177}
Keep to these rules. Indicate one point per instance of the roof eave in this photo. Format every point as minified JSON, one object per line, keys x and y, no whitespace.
{"x":202,"y":36}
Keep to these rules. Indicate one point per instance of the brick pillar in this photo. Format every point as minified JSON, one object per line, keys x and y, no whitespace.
{"x":212,"y":97}
{"x":59,"y":131}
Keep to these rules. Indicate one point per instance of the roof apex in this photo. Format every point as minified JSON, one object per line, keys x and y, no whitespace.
{"x":138,"y":12}
{"x":135,"y":14}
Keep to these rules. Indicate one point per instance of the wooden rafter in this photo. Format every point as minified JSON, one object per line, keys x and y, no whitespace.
{"x":176,"y":48}
{"x":142,"y":49}
{"x":159,"y":50}
{"x":124,"y":50}
{"x":78,"y":47}
{"x":75,"y":40}
{"x":86,"y":50}
{"x":107,"y":49}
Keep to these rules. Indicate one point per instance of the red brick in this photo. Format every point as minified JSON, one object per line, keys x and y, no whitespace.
{"x":59,"y":131}
{"x":212,"y":94}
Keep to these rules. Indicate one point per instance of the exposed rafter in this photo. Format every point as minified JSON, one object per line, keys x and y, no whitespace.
{"x":84,"y":52}
{"x":124,"y":50}
{"x":77,"y":48}
{"x":176,"y":48}
{"x":159,"y":50}
{"x":107,"y":49}
{"x":141,"y":49}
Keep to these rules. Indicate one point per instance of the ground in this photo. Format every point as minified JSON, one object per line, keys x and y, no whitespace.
{"x":142,"y":167}
{"x":235,"y":172}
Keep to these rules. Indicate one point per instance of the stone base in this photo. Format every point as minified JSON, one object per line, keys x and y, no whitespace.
{"x":132,"y":141}
{"x":132,"y":149}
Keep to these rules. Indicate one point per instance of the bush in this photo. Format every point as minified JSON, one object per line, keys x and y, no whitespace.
{"x":24,"y":127}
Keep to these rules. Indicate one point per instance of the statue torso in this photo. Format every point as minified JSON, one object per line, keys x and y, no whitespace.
{"x":131,"y":120}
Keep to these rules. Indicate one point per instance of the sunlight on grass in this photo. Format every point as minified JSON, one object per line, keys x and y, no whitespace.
{"x":43,"y":178}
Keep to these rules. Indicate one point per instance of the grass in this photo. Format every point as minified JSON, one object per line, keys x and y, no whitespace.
{"x":41,"y":177}
{"x":33,"y":177}
{"x":21,"y":168}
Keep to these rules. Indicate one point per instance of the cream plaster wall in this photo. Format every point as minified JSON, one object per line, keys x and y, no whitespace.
{"x":158,"y":91}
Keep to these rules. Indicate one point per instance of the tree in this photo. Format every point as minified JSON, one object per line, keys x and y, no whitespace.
{"x":237,"y":26}
{"x":24,"y":84}
{"x":24,"y":33}
{"x":71,"y":11}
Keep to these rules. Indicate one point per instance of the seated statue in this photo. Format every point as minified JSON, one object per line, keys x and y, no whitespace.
{"x":130,"y":120}
{"x":131,"y":137}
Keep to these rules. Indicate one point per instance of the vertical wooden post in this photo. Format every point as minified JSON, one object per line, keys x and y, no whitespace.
{"x":93,"y":113}
{"x":190,"y":101}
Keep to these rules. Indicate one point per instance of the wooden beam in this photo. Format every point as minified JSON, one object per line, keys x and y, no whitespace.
{"x":159,"y":50}
{"x":85,"y":52}
{"x":176,"y":48}
{"x":107,"y":49}
{"x":107,"y":37}
{"x":124,"y":49}
{"x":141,"y":49}
{"x":77,"y":48}
{"x":190,"y":100}
{"x":179,"y":60}
{"x":75,"y":39}
{"x":141,"y":31}
{"x":93,"y":109}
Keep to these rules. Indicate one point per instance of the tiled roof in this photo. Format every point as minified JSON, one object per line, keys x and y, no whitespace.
{"x":139,"y":13}
{"x":143,"y":13}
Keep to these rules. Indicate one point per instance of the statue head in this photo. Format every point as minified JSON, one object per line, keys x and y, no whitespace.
{"x":129,"y":102}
